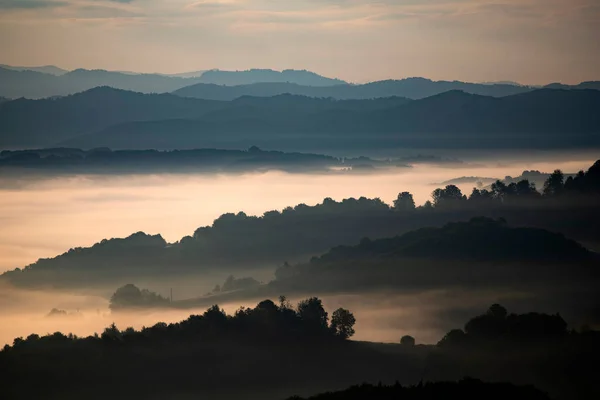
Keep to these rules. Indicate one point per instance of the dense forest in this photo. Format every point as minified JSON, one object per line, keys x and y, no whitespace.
{"x":280,"y":347}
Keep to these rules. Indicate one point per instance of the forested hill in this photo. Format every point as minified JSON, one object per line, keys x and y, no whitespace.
{"x":105,"y":117}
{"x":297,"y":233}
{"x":481,"y":239}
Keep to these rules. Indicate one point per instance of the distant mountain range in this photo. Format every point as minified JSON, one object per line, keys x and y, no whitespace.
{"x":46,"y":69}
{"x":299,"y":77}
{"x":105,"y":117}
{"x":50,"y":81}
{"x":412,"y":88}
{"x":42,"y":82}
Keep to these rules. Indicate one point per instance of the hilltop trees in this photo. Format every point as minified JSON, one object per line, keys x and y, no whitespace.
{"x":498,"y":325}
{"x":449,"y":196}
{"x":404,"y":202}
{"x":130,"y":296}
{"x":342,"y":323}
{"x":267,"y":322}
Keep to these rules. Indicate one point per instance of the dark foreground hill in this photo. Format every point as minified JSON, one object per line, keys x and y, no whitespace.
{"x":275,"y":351}
{"x":466,"y":389}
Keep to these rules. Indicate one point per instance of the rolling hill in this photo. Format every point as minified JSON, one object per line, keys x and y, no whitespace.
{"x":543,"y":118}
{"x":412,"y":88}
{"x":36,"y":83}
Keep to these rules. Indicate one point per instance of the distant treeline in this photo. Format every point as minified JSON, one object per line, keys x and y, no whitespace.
{"x":104,"y":160}
{"x":569,"y":207}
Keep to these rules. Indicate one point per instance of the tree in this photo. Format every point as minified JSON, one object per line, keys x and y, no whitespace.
{"x":555,"y":183}
{"x":407,"y":340}
{"x":342,"y":323}
{"x":451,"y":194}
{"x":404,"y":202}
{"x":311,"y":312}
{"x":496,"y":310}
{"x":499,"y":190}
{"x":453,"y":338}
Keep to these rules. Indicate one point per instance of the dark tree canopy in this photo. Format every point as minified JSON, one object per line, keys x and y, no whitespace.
{"x":404,"y":202}
{"x":342,"y":323}
{"x":407,"y":340}
{"x":130,"y":296}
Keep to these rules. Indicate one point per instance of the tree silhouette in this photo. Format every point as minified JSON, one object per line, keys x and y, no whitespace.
{"x":342,"y":323}
{"x":407,"y":340}
{"x":554,"y":185}
{"x":311,"y":311}
{"x":404,"y":202}
{"x":451,"y":194}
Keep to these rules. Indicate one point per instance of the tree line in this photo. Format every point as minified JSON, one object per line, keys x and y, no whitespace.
{"x":267,"y":321}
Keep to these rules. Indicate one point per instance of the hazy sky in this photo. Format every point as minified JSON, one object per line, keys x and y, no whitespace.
{"x":531,"y":41}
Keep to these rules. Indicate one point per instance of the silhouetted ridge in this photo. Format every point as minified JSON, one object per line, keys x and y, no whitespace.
{"x":135,"y":251}
{"x":477,"y":239}
{"x":466,"y":389}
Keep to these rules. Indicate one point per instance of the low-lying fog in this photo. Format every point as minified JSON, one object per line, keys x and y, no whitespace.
{"x":43,"y":218}
{"x":381,"y":316}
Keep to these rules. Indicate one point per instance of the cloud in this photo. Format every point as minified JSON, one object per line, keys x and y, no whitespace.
{"x":30,"y":4}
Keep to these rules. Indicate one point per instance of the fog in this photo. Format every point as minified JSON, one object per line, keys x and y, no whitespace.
{"x":44,"y":218}
{"x":381,"y":316}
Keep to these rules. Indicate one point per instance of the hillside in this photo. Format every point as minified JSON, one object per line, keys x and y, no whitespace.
{"x":412,"y":88}
{"x":479,"y":253}
{"x":36,"y":123}
{"x":305,"y":354}
{"x":543,"y":118}
{"x":298,"y":77}
{"x":36,"y":83}
{"x":240,"y":241}
{"x":45,"y":69}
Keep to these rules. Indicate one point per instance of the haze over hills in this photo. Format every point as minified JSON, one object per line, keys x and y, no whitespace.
{"x":49,"y":81}
{"x":46,"y":69}
{"x":546,"y":118}
{"x":38,"y":83}
{"x":35,"y":123}
{"x":412,"y":88}
{"x":118,"y":119}
{"x":58,"y":161}
{"x":236,"y":239}
{"x":299,"y":77}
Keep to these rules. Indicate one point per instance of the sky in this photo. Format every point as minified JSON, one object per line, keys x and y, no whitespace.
{"x":528,"y":41}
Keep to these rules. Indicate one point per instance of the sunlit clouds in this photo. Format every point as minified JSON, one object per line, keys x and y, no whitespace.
{"x":531,"y":41}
